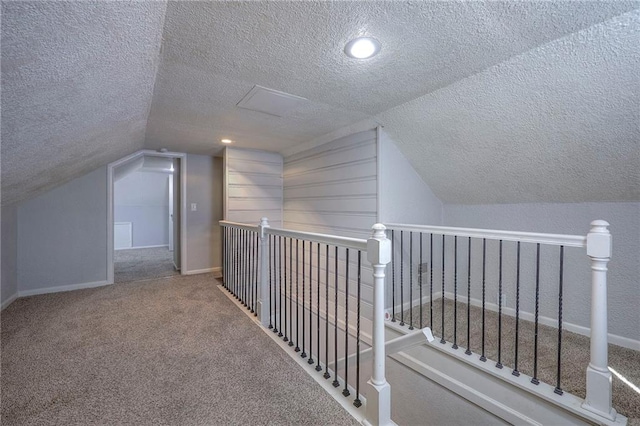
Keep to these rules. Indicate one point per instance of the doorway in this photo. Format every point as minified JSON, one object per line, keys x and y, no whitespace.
{"x":146,"y":195}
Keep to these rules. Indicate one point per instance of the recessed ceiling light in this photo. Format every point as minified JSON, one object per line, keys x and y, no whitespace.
{"x":226,"y":141}
{"x":362,"y":48}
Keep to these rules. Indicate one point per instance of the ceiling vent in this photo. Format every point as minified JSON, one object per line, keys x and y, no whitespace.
{"x":270,"y":101}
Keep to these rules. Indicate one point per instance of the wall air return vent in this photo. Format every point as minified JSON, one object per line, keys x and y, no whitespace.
{"x":270,"y":101}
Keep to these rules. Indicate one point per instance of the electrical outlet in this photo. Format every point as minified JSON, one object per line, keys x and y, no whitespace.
{"x":194,"y":207}
{"x":423,"y":268}
{"x":504,"y":299}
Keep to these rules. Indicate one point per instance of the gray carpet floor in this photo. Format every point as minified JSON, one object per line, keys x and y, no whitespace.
{"x":173,"y":351}
{"x":141,"y":264}
{"x":575,"y":352}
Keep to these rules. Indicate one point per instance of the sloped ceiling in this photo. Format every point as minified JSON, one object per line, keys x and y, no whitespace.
{"x":82,"y":82}
{"x":77,"y":82}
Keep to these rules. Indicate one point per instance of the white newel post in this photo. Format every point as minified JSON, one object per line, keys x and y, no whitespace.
{"x":378,"y":410}
{"x":263,"y":288}
{"x":598,"y":399}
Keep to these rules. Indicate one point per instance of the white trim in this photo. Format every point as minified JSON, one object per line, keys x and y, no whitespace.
{"x":10,"y":300}
{"x":203,"y":271}
{"x":110,"y":204}
{"x":71,"y":287}
{"x":492,"y":234}
{"x":142,"y":247}
{"x":614,"y":339}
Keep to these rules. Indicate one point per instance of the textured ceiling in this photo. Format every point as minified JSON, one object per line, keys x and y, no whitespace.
{"x":560,"y":123}
{"x":77,"y":81}
{"x":82,"y":82}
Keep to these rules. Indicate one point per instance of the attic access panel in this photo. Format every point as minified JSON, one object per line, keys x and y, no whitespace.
{"x":269,"y":101}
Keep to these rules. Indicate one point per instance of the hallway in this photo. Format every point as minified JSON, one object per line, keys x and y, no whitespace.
{"x":143,"y":264}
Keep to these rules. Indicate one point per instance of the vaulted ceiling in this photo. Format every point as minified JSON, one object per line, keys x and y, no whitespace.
{"x":490,"y":101}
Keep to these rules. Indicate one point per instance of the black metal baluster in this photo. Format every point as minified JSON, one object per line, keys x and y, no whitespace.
{"x":410,"y":280}
{"x":284,"y":255}
{"x":393,"y":279}
{"x":401,"y":278}
{"x":442,"y":340}
{"x":291,"y":292}
{"x":270,"y":283}
{"x":310,"y":361}
{"x":534,"y":379}
{"x":251,"y":271}
{"x":275,"y":285}
{"x":303,"y":354}
{"x":235,"y":263}
{"x":558,"y":389}
{"x":345,"y":391}
{"x":420,"y":279}
{"x":257,"y":273}
{"x":515,"y":371}
{"x":280,"y":285}
{"x":242,"y":258}
{"x":246,"y":268}
{"x":455,"y":292}
{"x":335,"y":383}
{"x":239,"y":265}
{"x":245,"y":261}
{"x":357,"y":401}
{"x":484,"y":267}
{"x":431,"y":281}
{"x":256,"y":254}
{"x":326,"y":374}
{"x":499,"y":363}
{"x":468,"y":351}
{"x":318,"y":367}
{"x":297,"y":348}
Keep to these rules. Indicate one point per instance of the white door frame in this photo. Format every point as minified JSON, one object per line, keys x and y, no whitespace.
{"x":183,"y":205}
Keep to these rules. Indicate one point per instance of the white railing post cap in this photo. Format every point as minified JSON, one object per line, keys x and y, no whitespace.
{"x":379,"y":246}
{"x":599,"y":240}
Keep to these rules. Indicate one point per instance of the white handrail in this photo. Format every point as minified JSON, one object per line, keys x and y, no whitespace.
{"x":525,"y":237}
{"x":352,"y":243}
{"x":239,"y":225}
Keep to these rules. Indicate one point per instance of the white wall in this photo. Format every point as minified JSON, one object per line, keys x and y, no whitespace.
{"x":62,"y":235}
{"x":253,"y":186}
{"x":9,"y":254}
{"x":204,"y":187}
{"x":142,"y":198}
{"x":332,"y":188}
{"x":404,"y":196}
{"x":624,"y":268}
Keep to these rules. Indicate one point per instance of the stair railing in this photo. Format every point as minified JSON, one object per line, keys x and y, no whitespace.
{"x":307,"y":289}
{"x":442,"y":268}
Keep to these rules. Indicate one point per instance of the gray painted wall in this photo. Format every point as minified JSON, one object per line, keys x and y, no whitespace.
{"x":624,"y":268}
{"x":404,"y":196}
{"x":9,"y":254}
{"x":253,"y":186}
{"x":62,"y":237}
{"x":142,"y":198}
{"x":204,"y":187}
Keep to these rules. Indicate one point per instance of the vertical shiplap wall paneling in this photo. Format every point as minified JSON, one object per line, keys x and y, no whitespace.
{"x":253,"y":187}
{"x":333,"y":189}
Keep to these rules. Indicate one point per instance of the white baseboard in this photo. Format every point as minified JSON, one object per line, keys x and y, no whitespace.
{"x":142,"y":247}
{"x":46,"y":290}
{"x":614,"y":339}
{"x":217,"y":269}
{"x":10,"y":300}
